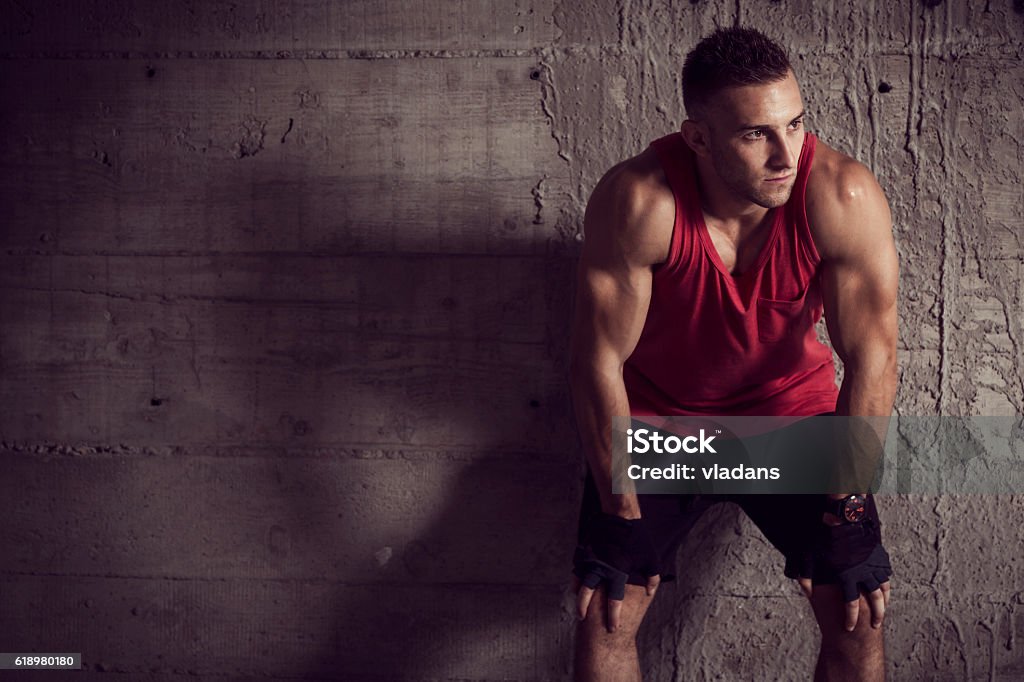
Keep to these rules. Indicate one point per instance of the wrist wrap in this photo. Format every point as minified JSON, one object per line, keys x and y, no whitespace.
{"x":612,"y":550}
{"x":851,"y":555}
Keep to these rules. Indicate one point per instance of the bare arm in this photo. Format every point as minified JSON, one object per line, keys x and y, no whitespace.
{"x":626,"y":233}
{"x":859,"y":282}
{"x":860,"y":272}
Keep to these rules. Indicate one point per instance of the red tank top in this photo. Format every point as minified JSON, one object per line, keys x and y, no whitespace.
{"x":715,"y":344}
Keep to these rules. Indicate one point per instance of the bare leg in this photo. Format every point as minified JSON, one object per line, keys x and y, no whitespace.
{"x":846,"y":656}
{"x":603,"y":655}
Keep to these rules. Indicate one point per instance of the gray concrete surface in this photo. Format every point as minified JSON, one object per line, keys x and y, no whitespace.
{"x":284,"y":307}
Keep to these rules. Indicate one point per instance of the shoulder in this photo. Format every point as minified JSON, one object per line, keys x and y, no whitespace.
{"x":632,"y":209}
{"x":839,"y":180}
{"x":846,"y":207}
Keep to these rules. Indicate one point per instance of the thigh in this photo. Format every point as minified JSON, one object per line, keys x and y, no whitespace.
{"x":859,"y":654}
{"x":603,"y":655}
{"x":787,"y":521}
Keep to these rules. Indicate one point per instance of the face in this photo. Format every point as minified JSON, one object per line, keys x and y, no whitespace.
{"x":754,"y":134}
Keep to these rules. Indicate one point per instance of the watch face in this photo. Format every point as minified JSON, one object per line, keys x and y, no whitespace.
{"x":854,"y":508}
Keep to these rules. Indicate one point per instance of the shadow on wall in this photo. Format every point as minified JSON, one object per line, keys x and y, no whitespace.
{"x":425,"y":480}
{"x":474,"y":593}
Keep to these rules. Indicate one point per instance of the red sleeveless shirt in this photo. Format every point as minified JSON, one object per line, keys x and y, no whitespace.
{"x":718,"y":344}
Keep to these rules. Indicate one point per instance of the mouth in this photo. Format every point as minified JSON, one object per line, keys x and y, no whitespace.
{"x":779,"y":179}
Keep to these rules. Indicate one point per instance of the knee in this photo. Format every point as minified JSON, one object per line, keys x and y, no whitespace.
{"x":592,"y":633}
{"x":862,"y":644}
{"x":603,"y":655}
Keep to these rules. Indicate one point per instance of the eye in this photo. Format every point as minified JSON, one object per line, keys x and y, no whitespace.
{"x":796,"y":124}
{"x":754,"y":135}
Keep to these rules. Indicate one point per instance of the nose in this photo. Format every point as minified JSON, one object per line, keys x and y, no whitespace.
{"x":784,"y":156}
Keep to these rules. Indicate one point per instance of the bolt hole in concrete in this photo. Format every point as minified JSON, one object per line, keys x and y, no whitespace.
{"x":535,"y":75}
{"x":884,"y":87}
{"x":150,"y":72}
{"x":156,"y":402}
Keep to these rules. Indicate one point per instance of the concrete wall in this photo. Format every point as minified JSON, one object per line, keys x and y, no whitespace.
{"x":285,"y":288}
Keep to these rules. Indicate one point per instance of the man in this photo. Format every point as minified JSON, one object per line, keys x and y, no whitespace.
{"x":708,"y":259}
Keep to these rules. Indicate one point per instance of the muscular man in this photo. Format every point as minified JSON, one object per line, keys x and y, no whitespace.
{"x":708,"y":259}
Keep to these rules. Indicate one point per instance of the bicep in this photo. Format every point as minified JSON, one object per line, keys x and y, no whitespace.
{"x":611,"y":307}
{"x":860,"y":279}
{"x":860,"y":305}
{"x":613,"y":284}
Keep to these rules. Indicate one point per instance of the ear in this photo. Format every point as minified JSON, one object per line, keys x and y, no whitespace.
{"x":697,"y":136}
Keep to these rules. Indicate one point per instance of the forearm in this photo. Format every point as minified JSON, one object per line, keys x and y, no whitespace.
{"x":869,"y":385}
{"x":598,"y":395}
{"x":867,"y":394}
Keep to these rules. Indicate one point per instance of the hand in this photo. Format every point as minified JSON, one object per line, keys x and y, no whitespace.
{"x":852,"y":556}
{"x":877,"y":602}
{"x":612,"y":607}
{"x":613,"y":548}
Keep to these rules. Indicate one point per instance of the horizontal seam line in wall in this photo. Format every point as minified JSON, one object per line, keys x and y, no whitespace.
{"x":938,"y":49}
{"x":170,"y":298}
{"x":302,"y":54}
{"x":241,"y":579}
{"x":284,"y":451}
{"x":402,"y":255}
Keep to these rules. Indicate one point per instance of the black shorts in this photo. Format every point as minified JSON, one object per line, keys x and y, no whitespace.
{"x":787,"y":521}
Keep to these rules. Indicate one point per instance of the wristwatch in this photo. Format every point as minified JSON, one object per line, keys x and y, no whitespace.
{"x":850,"y":509}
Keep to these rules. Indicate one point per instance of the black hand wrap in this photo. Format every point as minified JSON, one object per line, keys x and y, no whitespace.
{"x":613,"y":549}
{"x":868,"y":575}
{"x":851,"y":555}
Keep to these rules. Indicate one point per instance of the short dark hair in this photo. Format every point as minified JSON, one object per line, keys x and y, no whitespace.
{"x":727,"y":58}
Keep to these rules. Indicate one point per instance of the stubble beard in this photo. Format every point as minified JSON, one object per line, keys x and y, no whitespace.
{"x":772,"y":199}
{"x":756,"y":193}
{"x":754,"y":190}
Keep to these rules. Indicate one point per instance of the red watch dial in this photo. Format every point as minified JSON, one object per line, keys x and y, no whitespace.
{"x":854,"y":508}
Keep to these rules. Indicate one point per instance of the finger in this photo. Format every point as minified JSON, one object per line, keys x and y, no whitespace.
{"x":805,"y":585}
{"x":877,"y":603}
{"x":583,"y":598}
{"x":852,"y":610}
{"x":614,"y":614}
{"x":885,"y":587}
{"x":652,"y":584}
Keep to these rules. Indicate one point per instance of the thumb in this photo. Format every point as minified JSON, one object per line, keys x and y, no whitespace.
{"x":652,"y":584}
{"x":806,"y":587}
